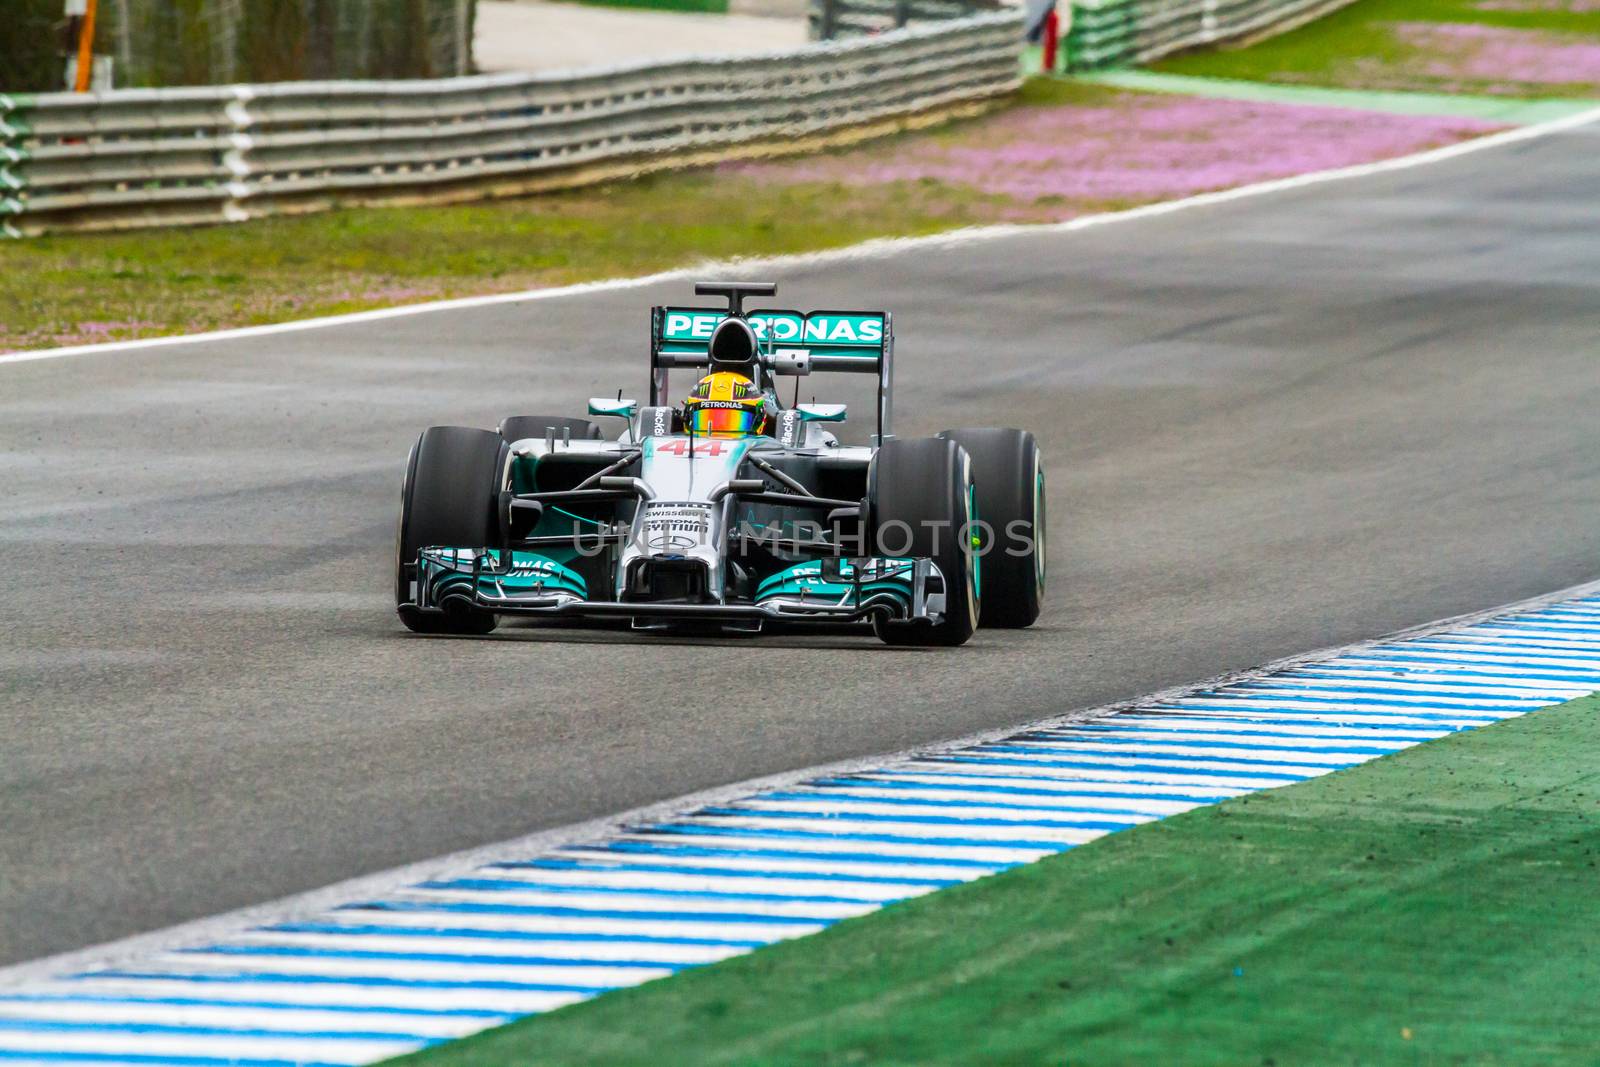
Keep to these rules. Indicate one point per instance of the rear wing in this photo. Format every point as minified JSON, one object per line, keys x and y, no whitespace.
{"x":790,"y":342}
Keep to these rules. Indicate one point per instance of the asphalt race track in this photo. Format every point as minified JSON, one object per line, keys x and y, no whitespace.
{"x":1273,"y":425}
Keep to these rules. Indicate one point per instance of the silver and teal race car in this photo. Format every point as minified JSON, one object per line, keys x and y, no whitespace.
{"x":669,"y":529}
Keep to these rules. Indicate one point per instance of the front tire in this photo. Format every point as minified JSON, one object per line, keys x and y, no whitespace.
{"x":1011,"y":503}
{"x":921,"y":501}
{"x":448,"y":499}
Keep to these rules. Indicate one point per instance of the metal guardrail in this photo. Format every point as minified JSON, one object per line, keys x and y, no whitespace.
{"x":187,"y":156}
{"x":832,"y":19}
{"x":1119,"y":33}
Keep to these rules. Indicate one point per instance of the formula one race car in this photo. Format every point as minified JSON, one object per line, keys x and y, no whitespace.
{"x":730,"y":511}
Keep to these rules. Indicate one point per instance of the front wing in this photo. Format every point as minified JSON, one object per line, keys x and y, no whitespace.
{"x":831,"y":590}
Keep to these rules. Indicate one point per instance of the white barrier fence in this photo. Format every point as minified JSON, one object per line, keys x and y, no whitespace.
{"x":1106,"y":34}
{"x":186,"y":156}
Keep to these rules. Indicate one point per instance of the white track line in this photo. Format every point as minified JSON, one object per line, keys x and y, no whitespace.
{"x":878,"y":248}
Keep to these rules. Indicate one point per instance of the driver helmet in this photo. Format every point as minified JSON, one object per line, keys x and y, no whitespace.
{"x":725,"y":404}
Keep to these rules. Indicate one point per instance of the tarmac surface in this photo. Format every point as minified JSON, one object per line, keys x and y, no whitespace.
{"x":530,"y":35}
{"x":1271,"y":425}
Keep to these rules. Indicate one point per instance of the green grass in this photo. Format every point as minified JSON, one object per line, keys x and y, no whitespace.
{"x":1356,"y":47}
{"x":86,"y":288}
{"x":91,"y":287}
{"x":1438,"y":906}
{"x":83,"y":288}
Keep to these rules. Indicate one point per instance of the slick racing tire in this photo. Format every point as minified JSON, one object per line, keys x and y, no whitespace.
{"x":920,"y":500}
{"x":449,"y":498}
{"x":518,"y":427}
{"x":1011,"y":506}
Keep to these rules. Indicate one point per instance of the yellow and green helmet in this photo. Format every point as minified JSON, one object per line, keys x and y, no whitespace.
{"x":724,"y":404}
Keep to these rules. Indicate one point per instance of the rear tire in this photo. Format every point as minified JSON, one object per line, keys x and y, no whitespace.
{"x":518,"y":427}
{"x":449,"y":499}
{"x":1011,"y":504}
{"x":921,"y":496}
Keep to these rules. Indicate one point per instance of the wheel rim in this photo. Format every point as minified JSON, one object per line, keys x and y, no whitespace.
{"x":1039,"y":539}
{"x":974,"y":538}
{"x":971,"y":558}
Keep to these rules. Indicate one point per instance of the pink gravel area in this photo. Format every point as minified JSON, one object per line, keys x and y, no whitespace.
{"x":1136,"y":148}
{"x":1459,"y":50}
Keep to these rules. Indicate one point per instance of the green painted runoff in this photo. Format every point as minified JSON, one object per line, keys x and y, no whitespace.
{"x":1437,"y":906}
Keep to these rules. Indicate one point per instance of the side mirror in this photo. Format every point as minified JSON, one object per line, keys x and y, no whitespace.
{"x":821,"y":412}
{"x":622,"y":409}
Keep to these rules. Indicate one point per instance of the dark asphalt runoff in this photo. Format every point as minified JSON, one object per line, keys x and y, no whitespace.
{"x":1271,"y":425}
